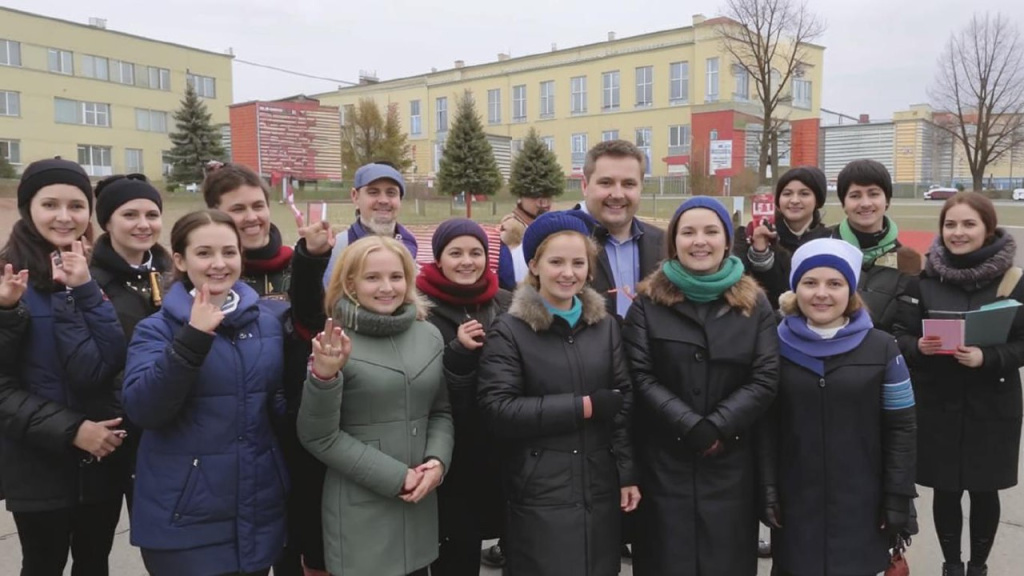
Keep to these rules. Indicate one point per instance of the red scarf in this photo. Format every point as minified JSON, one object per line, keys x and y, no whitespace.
{"x":432,"y":282}
{"x":271,"y":265}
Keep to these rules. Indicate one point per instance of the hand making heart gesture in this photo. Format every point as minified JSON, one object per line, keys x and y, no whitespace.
{"x":205,"y":316}
{"x":331,"y":349}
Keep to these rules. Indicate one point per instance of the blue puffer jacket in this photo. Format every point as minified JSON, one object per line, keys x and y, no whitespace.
{"x":210,"y":474}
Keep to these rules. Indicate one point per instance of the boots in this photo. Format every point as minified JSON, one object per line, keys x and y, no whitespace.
{"x":952,"y":569}
{"x":973,"y":570}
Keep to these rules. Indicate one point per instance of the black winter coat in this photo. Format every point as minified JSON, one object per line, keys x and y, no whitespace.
{"x":470,"y":504}
{"x":775,"y":280}
{"x":969,"y":419}
{"x":831,"y":452}
{"x":691,"y":362}
{"x":562,"y":473}
{"x":651,"y":249}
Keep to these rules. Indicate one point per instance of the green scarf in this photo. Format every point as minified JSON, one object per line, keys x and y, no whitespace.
{"x":706,"y":288}
{"x":885,"y":245}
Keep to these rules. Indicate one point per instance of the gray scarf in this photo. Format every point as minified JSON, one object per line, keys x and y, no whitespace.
{"x":976,"y":270}
{"x":362,"y":321}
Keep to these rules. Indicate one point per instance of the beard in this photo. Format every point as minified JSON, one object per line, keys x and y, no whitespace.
{"x":378,"y":227}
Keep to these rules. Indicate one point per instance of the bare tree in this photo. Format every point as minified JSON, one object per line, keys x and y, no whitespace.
{"x":980,"y":82}
{"x":768,"y":40}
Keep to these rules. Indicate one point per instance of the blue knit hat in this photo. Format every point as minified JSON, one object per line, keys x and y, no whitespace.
{"x":713,"y":205}
{"x":549,"y":223}
{"x":827,"y":253}
{"x":451,"y":229}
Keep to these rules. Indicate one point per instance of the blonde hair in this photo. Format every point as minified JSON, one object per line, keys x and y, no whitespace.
{"x":353,"y":261}
{"x":512,"y":230}
{"x":789,"y":306}
{"x":591,"y":247}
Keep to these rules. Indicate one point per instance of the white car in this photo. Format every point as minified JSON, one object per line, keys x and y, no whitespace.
{"x":1018,"y":194}
{"x":940,"y":193}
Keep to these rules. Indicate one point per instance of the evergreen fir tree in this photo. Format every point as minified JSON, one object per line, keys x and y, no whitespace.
{"x":195,"y":142}
{"x":535,"y":171}
{"x":468,"y":163}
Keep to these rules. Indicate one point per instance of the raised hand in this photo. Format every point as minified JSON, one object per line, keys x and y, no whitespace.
{"x":12,"y":286}
{"x":205,"y":315}
{"x":319,"y":236}
{"x":471,"y":335}
{"x":331,"y":349}
{"x":99,"y":438}
{"x":71,"y":268}
{"x":762,"y":237}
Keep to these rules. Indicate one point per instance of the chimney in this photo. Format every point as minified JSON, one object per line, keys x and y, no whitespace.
{"x":699,"y":19}
{"x":864,"y":119}
{"x":502,"y":56}
{"x":611,"y":36}
{"x":100,"y":23}
{"x":460,"y":63}
{"x":554,"y":47}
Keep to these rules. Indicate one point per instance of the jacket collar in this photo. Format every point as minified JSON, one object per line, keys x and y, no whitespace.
{"x":528,"y":306}
{"x":178,"y":305}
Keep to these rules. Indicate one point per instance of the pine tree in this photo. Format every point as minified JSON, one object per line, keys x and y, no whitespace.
{"x":196,"y":140}
{"x":535,"y":171}
{"x":468,"y":164}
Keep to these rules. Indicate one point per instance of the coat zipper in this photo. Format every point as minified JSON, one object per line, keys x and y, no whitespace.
{"x":824,"y":471}
{"x":584,"y":469}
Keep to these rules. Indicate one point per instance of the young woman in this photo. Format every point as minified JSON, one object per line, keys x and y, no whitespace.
{"x":554,"y":388}
{"x":838,"y":446}
{"x":204,"y":382}
{"x":130,"y":265}
{"x":704,"y":354}
{"x":60,"y":410}
{"x":968,"y":402}
{"x":465,"y":301}
{"x":378,"y":417}
{"x":766,"y":252}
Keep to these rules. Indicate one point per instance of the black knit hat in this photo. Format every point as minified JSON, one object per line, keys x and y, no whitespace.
{"x":809,"y":176}
{"x":115,"y":191}
{"x":43,"y":173}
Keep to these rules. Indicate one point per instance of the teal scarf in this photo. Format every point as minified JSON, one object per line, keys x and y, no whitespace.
{"x":885,"y":245}
{"x":572,"y":315}
{"x":706,"y":288}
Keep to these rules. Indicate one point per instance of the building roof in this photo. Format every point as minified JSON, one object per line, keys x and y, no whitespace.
{"x":108,"y":31}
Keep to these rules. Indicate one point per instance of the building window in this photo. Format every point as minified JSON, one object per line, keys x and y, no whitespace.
{"x":10,"y":103}
{"x":742,"y":83}
{"x":133,"y":161}
{"x":645,"y":86}
{"x":494,"y":106}
{"x":547,"y":99}
{"x":579,"y":149}
{"x":609,"y":135}
{"x":87,"y":113}
{"x":711,"y":90}
{"x":122,"y":72}
{"x":519,"y":103}
{"x":10,"y":53}
{"x":166,"y":162}
{"x":150,"y":120}
{"x":11,"y":150}
{"x":801,"y":93}
{"x":578,"y":95}
{"x":204,"y":86}
{"x":679,"y":140}
{"x":516,"y":147}
{"x":442,"y":114}
{"x":713,"y":135}
{"x":95,"y":160}
{"x":679,"y":82}
{"x":61,"y":61}
{"x":96,"y":67}
{"x":610,"y":90}
{"x":160,"y":79}
{"x":415,"y":120}
{"x":549,"y":142}
{"x":439,"y":152}
{"x":643,"y":142}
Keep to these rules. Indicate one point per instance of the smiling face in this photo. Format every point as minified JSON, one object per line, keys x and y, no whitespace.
{"x":561,"y":267}
{"x":865,"y":208}
{"x":60,"y":212}
{"x":701,"y":241}
{"x":247,"y":206}
{"x":378,"y":203}
{"x":612,"y":192}
{"x":381,"y":285}
{"x":134,"y":228}
{"x":962,"y":230}
{"x":796,"y":204}
{"x":823,"y":296}
{"x":212,"y":258}
{"x":463,"y":260}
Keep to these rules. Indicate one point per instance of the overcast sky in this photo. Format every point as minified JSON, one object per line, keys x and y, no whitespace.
{"x":880,"y":54}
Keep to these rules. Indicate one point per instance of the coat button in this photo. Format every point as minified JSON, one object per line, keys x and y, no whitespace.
{"x":534,"y":453}
{"x":570,"y":340}
{"x":414,"y":430}
{"x":698,"y":356}
{"x":821,"y":383}
{"x":575,"y":451}
{"x":1002,"y":379}
{"x":240,"y":438}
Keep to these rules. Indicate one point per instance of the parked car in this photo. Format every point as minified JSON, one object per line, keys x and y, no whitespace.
{"x":939,"y":193}
{"x":1018,"y":194}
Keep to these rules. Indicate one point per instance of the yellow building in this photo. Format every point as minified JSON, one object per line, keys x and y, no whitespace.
{"x":103,"y":98}
{"x":673,"y":92}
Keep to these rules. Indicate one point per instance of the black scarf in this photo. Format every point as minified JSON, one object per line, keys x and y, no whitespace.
{"x":104,"y":256}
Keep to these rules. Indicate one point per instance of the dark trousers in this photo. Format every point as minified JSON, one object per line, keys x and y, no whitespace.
{"x":457,"y":558}
{"x":86,"y":530}
{"x":949,"y":523}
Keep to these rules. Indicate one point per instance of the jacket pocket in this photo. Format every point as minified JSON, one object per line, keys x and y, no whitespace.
{"x":546,"y":478}
{"x":355,"y":492}
{"x":197,"y":504}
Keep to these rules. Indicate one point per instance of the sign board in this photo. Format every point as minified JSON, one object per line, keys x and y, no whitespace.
{"x":721,"y":155}
{"x":763,"y":207}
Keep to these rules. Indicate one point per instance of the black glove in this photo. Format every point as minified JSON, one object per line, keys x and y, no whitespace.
{"x":702,"y":436}
{"x":605,"y":404}
{"x":895,"y":513}
{"x":771,"y":511}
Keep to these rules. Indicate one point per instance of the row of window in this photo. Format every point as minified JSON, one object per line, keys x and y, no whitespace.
{"x":86,"y":113}
{"x":679,"y":141}
{"x":95,"y":159}
{"x":109,"y":70}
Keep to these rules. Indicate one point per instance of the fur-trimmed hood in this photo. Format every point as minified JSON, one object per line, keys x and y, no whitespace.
{"x":742,"y":295}
{"x":528,"y":306}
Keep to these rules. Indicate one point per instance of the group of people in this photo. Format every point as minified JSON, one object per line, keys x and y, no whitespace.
{"x":337,"y":409}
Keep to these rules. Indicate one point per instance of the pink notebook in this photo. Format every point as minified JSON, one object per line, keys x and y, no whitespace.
{"x":951,"y":332}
